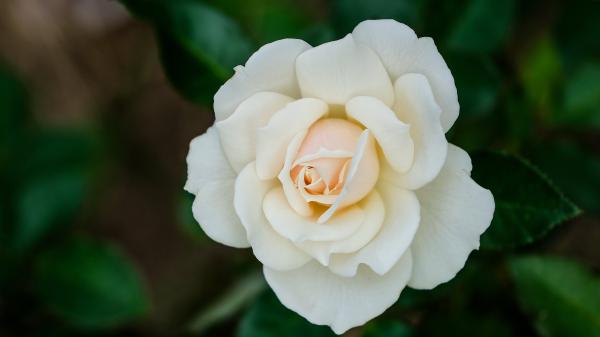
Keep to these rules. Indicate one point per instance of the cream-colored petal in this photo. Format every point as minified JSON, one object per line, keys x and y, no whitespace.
{"x":206,"y":161}
{"x":293,"y":195}
{"x":271,"y":68}
{"x":362,"y":176}
{"x":339,"y":70}
{"x":213,"y":210}
{"x":416,"y":106}
{"x":402,"y":53}
{"x":211,"y":178}
{"x":238,"y":131}
{"x":270,"y":248}
{"x":393,"y":239}
{"x":274,"y":138}
{"x":392,"y":135}
{"x":296,"y":228}
{"x":455,"y":211}
{"x":374,"y":210}
{"x":325,"y":298}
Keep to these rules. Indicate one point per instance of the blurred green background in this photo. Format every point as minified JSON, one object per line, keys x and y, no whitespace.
{"x":97,"y":108}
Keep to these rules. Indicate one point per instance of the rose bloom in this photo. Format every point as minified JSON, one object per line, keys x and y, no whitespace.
{"x":331,"y":163}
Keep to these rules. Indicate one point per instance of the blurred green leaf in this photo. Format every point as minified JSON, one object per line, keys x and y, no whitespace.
{"x":540,"y":70}
{"x":192,"y":79}
{"x":280,"y":20}
{"x":233,"y":301}
{"x":91,"y":285}
{"x":484,"y":26}
{"x":582,"y":98}
{"x":477,"y":82}
{"x":200,"y":45}
{"x":267,"y":317}
{"x":13,"y":111}
{"x":527,"y":205}
{"x":561,"y":296}
{"x":348,"y":13}
{"x":388,"y":328}
{"x":56,"y":150}
{"x":45,"y":204}
{"x":575,"y":171}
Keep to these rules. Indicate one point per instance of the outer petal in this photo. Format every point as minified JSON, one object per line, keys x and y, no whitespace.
{"x":455,"y":211}
{"x":271,"y":68}
{"x":392,"y":134}
{"x":273,"y":139}
{"x":269,"y":247}
{"x":401,"y":52}
{"x":339,"y":70}
{"x":393,"y":240}
{"x":211,"y":179}
{"x":340,"y":302}
{"x":374,"y":210}
{"x":297,"y":228}
{"x":416,"y":106}
{"x":238,"y":131}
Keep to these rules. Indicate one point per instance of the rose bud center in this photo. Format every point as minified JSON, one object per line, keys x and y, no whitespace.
{"x":331,"y":150}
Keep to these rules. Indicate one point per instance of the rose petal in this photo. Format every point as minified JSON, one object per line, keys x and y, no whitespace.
{"x":392,"y":241}
{"x":340,"y":302}
{"x":206,"y":161}
{"x":392,"y":135}
{"x":339,"y":70}
{"x":416,"y":106}
{"x":297,"y":228}
{"x":271,"y":68}
{"x":274,"y":138}
{"x":238,"y":131}
{"x":455,"y":212}
{"x":401,"y":53}
{"x":270,"y":248}
{"x":374,"y":210}
{"x":362,"y":176}
{"x":294,"y":197}
{"x":211,"y":179}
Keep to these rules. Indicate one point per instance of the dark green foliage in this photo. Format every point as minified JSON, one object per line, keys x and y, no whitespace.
{"x":267,"y":317}
{"x":89,"y":284}
{"x":560,"y":295}
{"x":527,"y":205}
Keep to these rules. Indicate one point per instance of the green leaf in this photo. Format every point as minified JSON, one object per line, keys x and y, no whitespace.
{"x":483,"y":27}
{"x":267,"y":317}
{"x":199,"y":45}
{"x":280,"y":20}
{"x":56,"y":150}
{"x":527,"y":205}
{"x":582,"y":98}
{"x":574,"y":170}
{"x":91,"y":285}
{"x":387,"y":328}
{"x":45,"y":204}
{"x":561,"y":296}
{"x":233,"y":301}
{"x":348,"y":13}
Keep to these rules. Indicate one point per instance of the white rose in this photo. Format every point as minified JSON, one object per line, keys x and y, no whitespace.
{"x":331,"y":162}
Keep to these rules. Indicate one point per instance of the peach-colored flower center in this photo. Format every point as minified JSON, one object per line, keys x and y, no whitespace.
{"x":323,"y":159}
